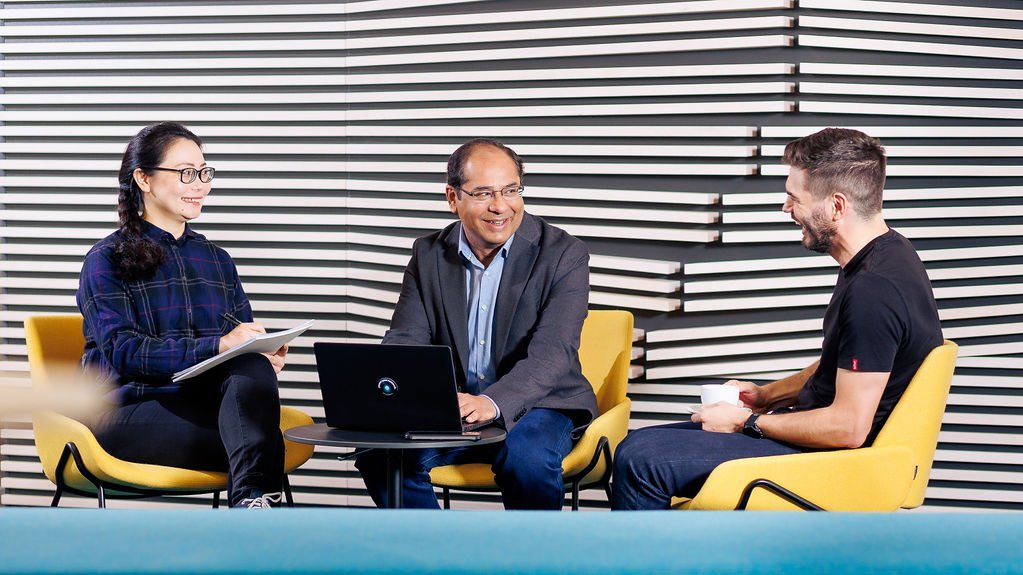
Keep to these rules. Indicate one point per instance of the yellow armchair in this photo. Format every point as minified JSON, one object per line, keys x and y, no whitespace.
{"x":75,"y":462}
{"x":605,"y":352}
{"x":891,"y":473}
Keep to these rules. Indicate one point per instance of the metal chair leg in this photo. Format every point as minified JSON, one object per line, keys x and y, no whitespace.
{"x":287,"y":492}
{"x":59,"y":473}
{"x":71,"y":452}
{"x":603,"y":450}
{"x":447,"y":498}
{"x":778,"y":490}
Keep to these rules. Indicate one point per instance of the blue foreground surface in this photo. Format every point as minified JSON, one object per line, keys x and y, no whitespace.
{"x":375,"y":541}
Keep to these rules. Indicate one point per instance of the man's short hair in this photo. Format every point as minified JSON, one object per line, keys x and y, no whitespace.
{"x":841,"y":160}
{"x":456,"y":163}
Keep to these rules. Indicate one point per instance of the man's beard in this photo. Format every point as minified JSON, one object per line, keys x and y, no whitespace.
{"x":820,"y":233}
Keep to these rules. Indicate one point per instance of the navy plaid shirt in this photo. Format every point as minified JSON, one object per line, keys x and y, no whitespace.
{"x":141,"y":332}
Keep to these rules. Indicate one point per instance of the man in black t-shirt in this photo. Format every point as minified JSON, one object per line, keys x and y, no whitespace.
{"x":881,"y":320}
{"x":881,"y":323}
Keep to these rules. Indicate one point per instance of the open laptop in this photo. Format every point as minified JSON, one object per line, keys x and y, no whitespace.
{"x":386,"y":387}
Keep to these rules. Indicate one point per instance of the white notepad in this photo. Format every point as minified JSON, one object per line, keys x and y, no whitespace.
{"x":265,"y":343}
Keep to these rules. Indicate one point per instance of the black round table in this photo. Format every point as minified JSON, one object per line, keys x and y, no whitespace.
{"x":393,"y":443}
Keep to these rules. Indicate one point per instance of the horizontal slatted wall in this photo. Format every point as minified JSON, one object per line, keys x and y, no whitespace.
{"x":958,"y":196}
{"x":330,"y":125}
{"x":650,"y":130}
{"x":607,"y":103}
{"x":260,"y":82}
{"x":940,"y":84}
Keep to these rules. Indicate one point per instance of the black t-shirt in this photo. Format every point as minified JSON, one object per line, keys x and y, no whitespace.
{"x":882,"y":318}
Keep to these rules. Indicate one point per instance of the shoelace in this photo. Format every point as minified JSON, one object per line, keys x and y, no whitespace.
{"x":263,"y":501}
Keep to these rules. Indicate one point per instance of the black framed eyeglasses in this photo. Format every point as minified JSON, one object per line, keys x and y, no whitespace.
{"x":487,"y":194}
{"x":188,"y":174}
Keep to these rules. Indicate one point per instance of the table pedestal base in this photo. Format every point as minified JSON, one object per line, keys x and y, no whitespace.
{"x":395,"y":478}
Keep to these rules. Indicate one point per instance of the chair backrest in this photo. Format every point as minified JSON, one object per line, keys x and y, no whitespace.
{"x":55,"y":342}
{"x":605,"y":352}
{"x":55,"y":345}
{"x":916,"y":419}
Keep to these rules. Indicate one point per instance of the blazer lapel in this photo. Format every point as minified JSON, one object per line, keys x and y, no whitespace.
{"x":517,"y":271}
{"x":451,"y":272}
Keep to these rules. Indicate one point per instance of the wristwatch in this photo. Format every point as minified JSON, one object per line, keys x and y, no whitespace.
{"x":751,"y":428}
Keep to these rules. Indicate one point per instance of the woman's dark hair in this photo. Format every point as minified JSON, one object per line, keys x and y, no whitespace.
{"x":135,"y":255}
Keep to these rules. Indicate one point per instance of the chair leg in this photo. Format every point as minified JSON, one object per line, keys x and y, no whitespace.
{"x":778,"y":490}
{"x":287,"y":491}
{"x":603,"y":450}
{"x":59,"y":473}
{"x":71,"y":450}
{"x":447,"y":498}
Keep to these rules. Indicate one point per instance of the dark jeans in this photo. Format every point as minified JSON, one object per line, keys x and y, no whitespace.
{"x":527,"y":465}
{"x":227,"y":419}
{"x":654,"y":464}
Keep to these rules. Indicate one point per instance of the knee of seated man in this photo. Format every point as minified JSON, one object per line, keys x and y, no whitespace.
{"x":622,"y":456}
{"x":523,"y":455}
{"x":629,"y":452}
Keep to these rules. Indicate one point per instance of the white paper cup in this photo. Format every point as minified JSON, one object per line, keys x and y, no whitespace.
{"x":715,"y":392}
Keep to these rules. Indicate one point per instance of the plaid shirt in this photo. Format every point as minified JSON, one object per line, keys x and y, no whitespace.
{"x":140,"y":332}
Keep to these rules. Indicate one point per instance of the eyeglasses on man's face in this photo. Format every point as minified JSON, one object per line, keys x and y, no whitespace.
{"x":487,"y":194}
{"x":188,"y":174}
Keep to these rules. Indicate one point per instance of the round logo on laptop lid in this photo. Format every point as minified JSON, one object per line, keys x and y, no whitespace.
{"x":387,"y":386}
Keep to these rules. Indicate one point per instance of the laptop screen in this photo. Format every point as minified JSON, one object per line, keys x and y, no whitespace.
{"x":386,"y":387}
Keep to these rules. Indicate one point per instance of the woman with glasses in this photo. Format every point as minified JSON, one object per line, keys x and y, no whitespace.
{"x":157,"y":297}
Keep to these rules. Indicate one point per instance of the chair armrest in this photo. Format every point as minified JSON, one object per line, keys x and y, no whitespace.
{"x":865,"y":479}
{"x":612,"y":424}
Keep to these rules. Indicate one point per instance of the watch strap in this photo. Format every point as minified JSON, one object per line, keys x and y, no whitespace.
{"x":751,"y":429}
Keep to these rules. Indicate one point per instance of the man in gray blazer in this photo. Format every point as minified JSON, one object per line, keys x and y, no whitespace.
{"x":508,"y":293}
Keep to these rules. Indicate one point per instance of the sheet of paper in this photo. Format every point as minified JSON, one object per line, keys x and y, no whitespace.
{"x":265,"y":343}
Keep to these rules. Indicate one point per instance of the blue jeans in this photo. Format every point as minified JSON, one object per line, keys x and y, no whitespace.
{"x":654,"y":464}
{"x":527,"y":465}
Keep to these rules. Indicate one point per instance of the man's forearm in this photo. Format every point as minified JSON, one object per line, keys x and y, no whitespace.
{"x":824,"y":428}
{"x":845,"y":423}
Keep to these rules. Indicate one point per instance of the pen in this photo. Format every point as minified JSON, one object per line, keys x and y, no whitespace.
{"x":231,"y":318}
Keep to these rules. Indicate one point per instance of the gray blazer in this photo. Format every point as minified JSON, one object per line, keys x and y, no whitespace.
{"x":541,"y":305}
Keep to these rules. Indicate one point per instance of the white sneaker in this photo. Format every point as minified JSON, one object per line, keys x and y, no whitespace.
{"x":265,"y":501}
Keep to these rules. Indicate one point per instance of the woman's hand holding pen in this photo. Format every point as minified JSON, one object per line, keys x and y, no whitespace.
{"x":240,"y":334}
{"x":243,"y":332}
